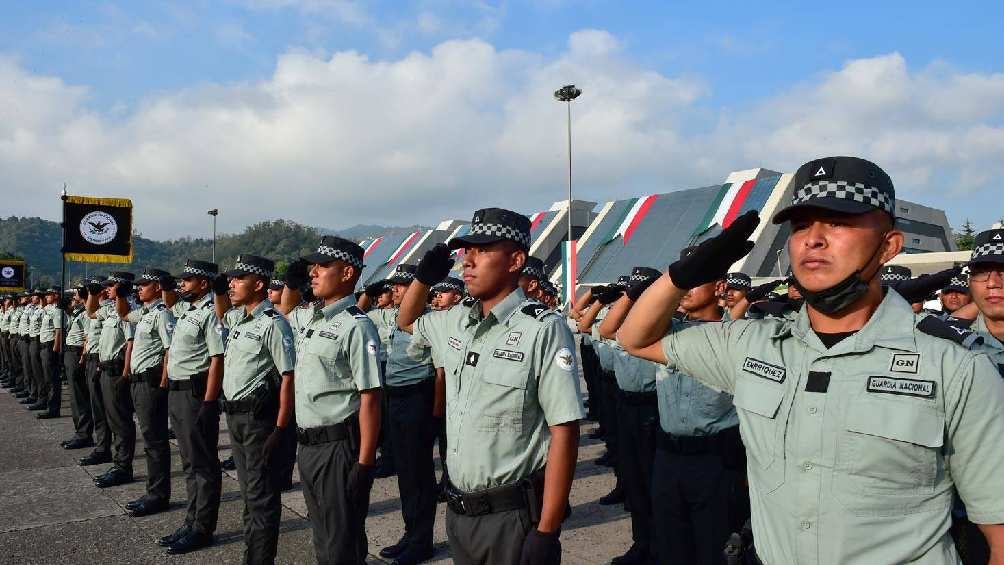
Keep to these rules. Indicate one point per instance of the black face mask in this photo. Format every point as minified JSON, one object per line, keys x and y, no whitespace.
{"x":841,"y":295}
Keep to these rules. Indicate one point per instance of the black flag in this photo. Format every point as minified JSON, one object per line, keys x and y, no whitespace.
{"x":11,"y":275}
{"x":98,"y":230}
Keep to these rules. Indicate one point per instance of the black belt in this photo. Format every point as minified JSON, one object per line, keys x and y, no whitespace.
{"x":408,"y":390}
{"x":638,"y":398}
{"x":698,"y":445}
{"x":179,"y":385}
{"x":74,"y":348}
{"x":322,"y":434}
{"x":499,"y":499}
{"x":238,"y":406}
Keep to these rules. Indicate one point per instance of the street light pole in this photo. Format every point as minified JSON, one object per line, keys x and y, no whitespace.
{"x":214,"y":212}
{"x":566,"y":94}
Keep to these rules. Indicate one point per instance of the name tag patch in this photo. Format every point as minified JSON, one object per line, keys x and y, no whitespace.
{"x":456,"y":343}
{"x":255,"y":337}
{"x":907,"y":387}
{"x":327,"y":335}
{"x":905,"y":362}
{"x":508,"y":355}
{"x":764,"y":370}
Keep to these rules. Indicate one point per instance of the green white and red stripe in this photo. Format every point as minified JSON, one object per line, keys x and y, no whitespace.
{"x":730,"y":199}
{"x":633,"y":218}
{"x":569,"y":270}
{"x":404,"y":246}
{"x":371,"y":246}
{"x":535,"y":220}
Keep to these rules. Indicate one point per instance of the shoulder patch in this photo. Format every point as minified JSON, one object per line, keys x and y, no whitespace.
{"x":945,"y":329}
{"x":469,"y":301}
{"x":271,"y":313}
{"x":535,"y":309}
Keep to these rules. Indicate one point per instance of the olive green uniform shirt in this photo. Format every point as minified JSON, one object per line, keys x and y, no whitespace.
{"x":863,"y":469}
{"x":338,"y":356}
{"x":93,"y":326}
{"x":197,"y":336}
{"x":409,"y":359}
{"x":154,"y":325}
{"x":383,"y":330}
{"x":259,"y":347}
{"x":35,"y":321}
{"x":114,"y":332}
{"x":76,"y":326}
{"x":24,"y":324}
{"x":52,"y":320}
{"x":299,"y":318}
{"x":509,"y":375}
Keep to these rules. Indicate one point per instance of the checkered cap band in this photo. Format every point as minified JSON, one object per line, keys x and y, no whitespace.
{"x":447,"y":285}
{"x":988,"y":250}
{"x":958,"y":282}
{"x":114,"y":279}
{"x":843,"y":190}
{"x":276,"y":282}
{"x":149,"y":277}
{"x":533,"y":271}
{"x":340,"y":255}
{"x":502,"y":231}
{"x":893,"y":278}
{"x":736,"y":281}
{"x":253,"y":269}
{"x":403,"y":276}
{"x":195,"y":271}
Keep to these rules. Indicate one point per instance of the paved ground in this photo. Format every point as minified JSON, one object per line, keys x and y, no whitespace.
{"x":51,"y":512}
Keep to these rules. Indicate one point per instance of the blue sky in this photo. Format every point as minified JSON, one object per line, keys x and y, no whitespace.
{"x":709,"y":74}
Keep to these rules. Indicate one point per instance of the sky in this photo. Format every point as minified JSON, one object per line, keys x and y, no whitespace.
{"x":339,"y":112}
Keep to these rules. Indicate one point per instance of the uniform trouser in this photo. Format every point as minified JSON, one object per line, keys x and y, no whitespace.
{"x":695,"y":503}
{"x":608,"y":415}
{"x":4,"y":356}
{"x":491,"y":539}
{"x":119,"y":411}
{"x":637,"y":424}
{"x":384,"y":441}
{"x":590,"y":372}
{"x":53,"y":389}
{"x":99,"y":415}
{"x":338,"y":521}
{"x":150,"y":403}
{"x":80,"y":395}
{"x":41,"y":380}
{"x":413,"y":431}
{"x":259,"y":485}
{"x":29,"y":368}
{"x":198,"y":442}
{"x":14,"y":347}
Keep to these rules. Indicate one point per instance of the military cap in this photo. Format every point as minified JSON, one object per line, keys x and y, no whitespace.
{"x":686,"y":251}
{"x":738,"y":281}
{"x":52,"y":290}
{"x":639,"y":274}
{"x":449,"y":283}
{"x":152,"y":276}
{"x":623,"y":280}
{"x":548,"y":287}
{"x":491,"y":225}
{"x":276,"y":284}
{"x":534,"y":268}
{"x":252,"y":265}
{"x":988,"y":247}
{"x":403,"y":274}
{"x":116,"y":277}
{"x":333,"y":248}
{"x":893,"y":274}
{"x":203,"y":269}
{"x":959,"y":283}
{"x":848,"y":185}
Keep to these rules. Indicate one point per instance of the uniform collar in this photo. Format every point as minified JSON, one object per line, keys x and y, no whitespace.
{"x":890,"y":326}
{"x":338,"y":306}
{"x":502,"y":311}
{"x":980,"y":326}
{"x":153,"y":304}
{"x":203,"y":301}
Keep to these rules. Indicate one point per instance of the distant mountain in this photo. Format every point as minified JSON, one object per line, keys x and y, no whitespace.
{"x":362,"y":231}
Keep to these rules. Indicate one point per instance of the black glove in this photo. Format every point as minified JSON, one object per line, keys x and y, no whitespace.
{"x":168,"y":283}
{"x":123,"y":289}
{"x":82,"y":292}
{"x":208,"y":409}
{"x":758,"y":293}
{"x":609,"y":294}
{"x":637,"y":288}
{"x":221,"y":284}
{"x":297,"y":274}
{"x":359,"y":484}
{"x":375,"y":290}
{"x":918,"y":289}
{"x":93,"y":288}
{"x":435,"y":265}
{"x":272,"y":442}
{"x":712,"y":258}
{"x":541,"y":549}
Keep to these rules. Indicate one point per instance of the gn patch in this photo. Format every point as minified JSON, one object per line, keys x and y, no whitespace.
{"x":508,"y":355}
{"x":905,"y":362}
{"x":764,"y":370}
{"x":906,"y":387}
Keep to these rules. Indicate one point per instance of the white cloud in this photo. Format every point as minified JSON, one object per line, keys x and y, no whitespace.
{"x":340,"y":139}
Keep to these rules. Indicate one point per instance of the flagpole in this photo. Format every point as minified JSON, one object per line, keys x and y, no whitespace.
{"x":62,"y":247}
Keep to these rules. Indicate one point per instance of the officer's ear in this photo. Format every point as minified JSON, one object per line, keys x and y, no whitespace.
{"x":517,"y":259}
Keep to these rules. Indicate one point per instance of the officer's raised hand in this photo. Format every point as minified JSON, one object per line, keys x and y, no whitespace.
{"x":374,"y":290}
{"x":221,"y":284}
{"x":168,"y":283}
{"x":541,"y":549}
{"x":760,"y":292}
{"x":123,"y":289}
{"x":435,"y":265}
{"x":711,"y":260}
{"x":609,"y":294}
{"x":918,"y":289}
{"x":297,"y":274}
{"x":93,"y":288}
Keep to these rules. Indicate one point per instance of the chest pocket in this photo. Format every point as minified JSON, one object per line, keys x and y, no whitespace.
{"x":247,"y":344}
{"x":890,"y":447}
{"x":762,"y":418}
{"x":335,"y":375}
{"x":503,"y":394}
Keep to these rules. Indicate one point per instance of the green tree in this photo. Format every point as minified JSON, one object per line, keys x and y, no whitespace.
{"x":966,"y":237}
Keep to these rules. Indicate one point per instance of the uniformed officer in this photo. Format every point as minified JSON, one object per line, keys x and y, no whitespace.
{"x":338,"y":405}
{"x":76,"y":377}
{"x":955,"y":294}
{"x":50,"y":338}
{"x":859,"y":424}
{"x":410,"y":390}
{"x":736,"y":287}
{"x":531,"y":277}
{"x":986,"y":283}
{"x":113,"y":362}
{"x":154,"y":325}
{"x":28,"y":307}
{"x":549,"y":294}
{"x":275,"y":287}
{"x":195,"y":377}
{"x":258,"y":392}
{"x":5,"y":363}
{"x":19,"y":388}
{"x":378,"y":296}
{"x":102,"y":452}
{"x":512,"y":397}
{"x":447,"y":293}
{"x":42,"y":384}
{"x":637,"y":420}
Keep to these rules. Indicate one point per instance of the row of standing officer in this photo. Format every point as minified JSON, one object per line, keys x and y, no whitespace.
{"x":31,"y":342}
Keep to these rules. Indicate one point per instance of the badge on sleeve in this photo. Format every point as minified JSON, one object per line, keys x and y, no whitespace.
{"x":371,"y":347}
{"x":564,"y":359}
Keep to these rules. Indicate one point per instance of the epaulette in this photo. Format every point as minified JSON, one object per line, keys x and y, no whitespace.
{"x":947,"y":330}
{"x":469,"y":301}
{"x":271,"y":313}
{"x":162,"y":306}
{"x":356,"y":312}
{"x":535,"y":309}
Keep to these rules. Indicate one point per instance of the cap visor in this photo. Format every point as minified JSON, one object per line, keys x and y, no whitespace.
{"x":471,"y":240}
{"x":838,"y":205}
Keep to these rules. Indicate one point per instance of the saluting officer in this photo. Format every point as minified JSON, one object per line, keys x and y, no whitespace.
{"x":258,"y":392}
{"x":195,"y":378}
{"x":50,"y":338}
{"x":5,"y":363}
{"x":955,"y":294}
{"x":860,"y":419}
{"x":76,"y":378}
{"x":154,"y":325}
{"x":102,"y":452}
{"x":24,"y":350}
{"x":447,"y":293}
{"x":338,"y":380}
{"x":113,"y":361}
{"x":531,"y":277}
{"x":512,"y":397}
{"x":42,"y":385}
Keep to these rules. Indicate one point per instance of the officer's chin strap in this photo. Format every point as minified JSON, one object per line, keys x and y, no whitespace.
{"x":846,"y":292}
